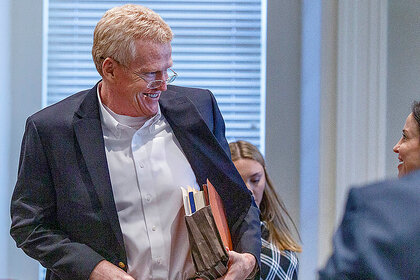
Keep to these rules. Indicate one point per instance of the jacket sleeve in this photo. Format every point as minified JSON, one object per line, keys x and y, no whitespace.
{"x":33,"y":212}
{"x":247,"y":235}
{"x":219,"y":126}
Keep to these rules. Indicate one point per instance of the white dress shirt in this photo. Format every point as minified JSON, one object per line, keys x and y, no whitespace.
{"x":147,"y":168}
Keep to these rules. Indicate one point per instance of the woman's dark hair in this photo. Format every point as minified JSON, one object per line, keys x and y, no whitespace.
{"x":415,"y":109}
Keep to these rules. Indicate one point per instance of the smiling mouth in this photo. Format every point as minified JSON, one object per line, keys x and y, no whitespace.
{"x":151,"y":95}
{"x":400,"y":163}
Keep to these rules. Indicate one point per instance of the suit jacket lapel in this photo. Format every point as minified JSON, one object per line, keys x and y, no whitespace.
{"x":205,"y":155}
{"x":88,"y":130}
{"x":175,"y":111}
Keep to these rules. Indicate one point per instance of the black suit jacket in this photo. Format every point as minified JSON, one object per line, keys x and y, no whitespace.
{"x":379,"y":237}
{"x":63,"y":211}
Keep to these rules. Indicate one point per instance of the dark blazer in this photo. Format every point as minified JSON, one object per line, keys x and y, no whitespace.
{"x":63,"y":211}
{"x":379,"y":237}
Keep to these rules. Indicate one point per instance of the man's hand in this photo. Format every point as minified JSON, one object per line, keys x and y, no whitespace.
{"x":240,"y":266}
{"x":105,"y":270}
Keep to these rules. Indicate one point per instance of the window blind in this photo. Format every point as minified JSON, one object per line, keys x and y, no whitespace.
{"x":217,"y":46}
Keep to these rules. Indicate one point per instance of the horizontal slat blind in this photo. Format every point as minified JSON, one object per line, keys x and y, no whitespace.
{"x":217,"y":45}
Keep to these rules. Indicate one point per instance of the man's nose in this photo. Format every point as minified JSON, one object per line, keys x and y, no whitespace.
{"x":163,"y":86}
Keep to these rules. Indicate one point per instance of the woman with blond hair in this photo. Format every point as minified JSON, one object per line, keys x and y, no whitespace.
{"x":278,"y":252}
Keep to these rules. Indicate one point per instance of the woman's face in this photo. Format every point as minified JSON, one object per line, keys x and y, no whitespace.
{"x":408,"y":147}
{"x":252,"y":172}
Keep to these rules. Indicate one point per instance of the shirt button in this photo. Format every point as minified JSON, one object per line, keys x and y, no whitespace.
{"x":148,"y":198}
{"x":121,"y":264}
{"x":153,"y":228}
{"x":141,"y":165}
{"x":159,"y":260}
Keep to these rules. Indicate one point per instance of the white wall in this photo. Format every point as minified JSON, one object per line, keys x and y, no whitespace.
{"x":5,"y":109}
{"x":282,"y":144}
{"x":310,"y":135}
{"x":403,"y":71}
{"x":343,"y":100}
{"x":328,"y":129}
{"x":24,"y":97}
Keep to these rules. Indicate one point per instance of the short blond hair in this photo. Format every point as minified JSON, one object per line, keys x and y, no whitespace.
{"x":119,"y":28}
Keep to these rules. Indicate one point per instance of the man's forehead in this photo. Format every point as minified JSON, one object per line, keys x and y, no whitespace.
{"x":150,"y":47}
{"x":151,"y":56}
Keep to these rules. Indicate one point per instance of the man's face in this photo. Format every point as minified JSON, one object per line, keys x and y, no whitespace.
{"x":129,"y":94}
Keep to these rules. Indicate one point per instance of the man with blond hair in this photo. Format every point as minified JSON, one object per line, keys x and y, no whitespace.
{"x":97,"y":194}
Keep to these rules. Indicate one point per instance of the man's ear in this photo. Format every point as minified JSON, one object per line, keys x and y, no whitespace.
{"x":109,"y":66}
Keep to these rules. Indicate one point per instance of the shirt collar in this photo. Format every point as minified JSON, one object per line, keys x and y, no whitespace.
{"x":116,"y":123}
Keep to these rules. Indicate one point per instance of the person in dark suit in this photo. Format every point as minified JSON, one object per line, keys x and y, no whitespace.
{"x":379,"y":236}
{"x":98,"y":190}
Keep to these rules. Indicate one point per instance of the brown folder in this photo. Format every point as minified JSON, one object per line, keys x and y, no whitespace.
{"x":207,"y":249}
{"x":219,"y":214}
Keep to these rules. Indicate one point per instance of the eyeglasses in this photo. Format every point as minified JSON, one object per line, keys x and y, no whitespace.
{"x":158,"y":83}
